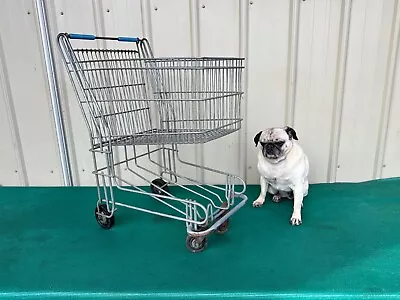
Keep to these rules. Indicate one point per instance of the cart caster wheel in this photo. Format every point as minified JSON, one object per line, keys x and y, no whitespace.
{"x":161,"y":184}
{"x":103,"y":221}
{"x":223,"y":228}
{"x":196,"y":244}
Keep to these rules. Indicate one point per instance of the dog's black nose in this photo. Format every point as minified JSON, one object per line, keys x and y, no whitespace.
{"x":269,"y":146}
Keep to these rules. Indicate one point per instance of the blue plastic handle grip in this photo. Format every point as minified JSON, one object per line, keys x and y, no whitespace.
{"x":127,"y":39}
{"x":78,"y":36}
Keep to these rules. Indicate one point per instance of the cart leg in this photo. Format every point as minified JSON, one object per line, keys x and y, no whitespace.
{"x":104,"y":212}
{"x":96,"y":175}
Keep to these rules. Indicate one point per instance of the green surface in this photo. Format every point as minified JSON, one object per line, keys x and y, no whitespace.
{"x":347,"y":247}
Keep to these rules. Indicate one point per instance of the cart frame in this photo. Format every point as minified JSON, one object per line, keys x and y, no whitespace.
{"x":131,"y":100}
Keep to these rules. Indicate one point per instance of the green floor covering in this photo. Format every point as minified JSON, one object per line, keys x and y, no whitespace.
{"x":347,"y":247}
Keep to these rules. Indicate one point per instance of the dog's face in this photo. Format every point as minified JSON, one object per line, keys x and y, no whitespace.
{"x":275,"y":142}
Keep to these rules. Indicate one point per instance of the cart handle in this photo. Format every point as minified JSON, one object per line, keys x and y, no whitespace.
{"x":79,"y":36}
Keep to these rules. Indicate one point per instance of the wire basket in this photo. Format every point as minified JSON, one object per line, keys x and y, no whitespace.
{"x":130,"y":97}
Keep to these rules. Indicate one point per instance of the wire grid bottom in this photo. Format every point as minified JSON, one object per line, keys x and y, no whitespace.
{"x":159,"y":137}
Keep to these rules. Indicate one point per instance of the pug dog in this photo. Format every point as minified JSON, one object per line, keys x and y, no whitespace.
{"x":283,"y":168}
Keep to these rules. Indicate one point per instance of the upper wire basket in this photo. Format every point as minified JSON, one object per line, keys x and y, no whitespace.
{"x":129,"y":97}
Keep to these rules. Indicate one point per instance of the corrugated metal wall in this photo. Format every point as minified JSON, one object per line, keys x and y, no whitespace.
{"x":326,"y":67}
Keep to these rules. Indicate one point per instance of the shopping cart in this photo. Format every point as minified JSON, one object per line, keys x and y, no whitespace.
{"x":138,"y":107}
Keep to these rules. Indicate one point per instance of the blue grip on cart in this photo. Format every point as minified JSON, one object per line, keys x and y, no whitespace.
{"x":78,"y":36}
{"x":127,"y":39}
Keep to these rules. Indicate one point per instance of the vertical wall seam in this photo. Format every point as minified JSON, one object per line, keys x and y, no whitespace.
{"x":194,"y":28}
{"x":243,"y":52}
{"x":195,"y":51}
{"x":387,"y":93}
{"x":98,"y":21}
{"x":146,"y":20}
{"x":293,"y":48}
{"x":12,"y":119}
{"x":98,"y":18}
{"x":340,"y":78}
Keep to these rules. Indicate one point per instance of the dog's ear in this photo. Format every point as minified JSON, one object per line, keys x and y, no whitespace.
{"x":257,"y":138}
{"x":291,"y":133}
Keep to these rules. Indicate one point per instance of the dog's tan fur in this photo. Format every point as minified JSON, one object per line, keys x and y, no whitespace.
{"x":285,"y":174}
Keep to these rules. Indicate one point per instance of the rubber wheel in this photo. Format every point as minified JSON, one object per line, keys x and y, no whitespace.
{"x":161,"y":184}
{"x":196,"y":244}
{"x":221,"y":229}
{"x":103,"y":221}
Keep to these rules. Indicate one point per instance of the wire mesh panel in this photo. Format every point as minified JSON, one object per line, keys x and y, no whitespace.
{"x":129,"y":97}
{"x":113,"y":93}
{"x":198,"y":98}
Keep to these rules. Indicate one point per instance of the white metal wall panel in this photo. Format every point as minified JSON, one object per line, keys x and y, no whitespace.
{"x":268,"y":70}
{"x":369,"y":43}
{"x":170,"y":30}
{"x":319,"y":28}
{"x":327,"y":68}
{"x":391,"y":163}
{"x":218,"y":38}
{"x":390,"y":142}
{"x":122,"y":18}
{"x":22,"y":57}
{"x":10,"y":171}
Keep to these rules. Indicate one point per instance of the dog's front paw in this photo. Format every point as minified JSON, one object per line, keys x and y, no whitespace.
{"x":295,"y":219}
{"x":259,"y":202}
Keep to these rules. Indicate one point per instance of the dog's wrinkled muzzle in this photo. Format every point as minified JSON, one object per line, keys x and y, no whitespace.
{"x":271,"y":149}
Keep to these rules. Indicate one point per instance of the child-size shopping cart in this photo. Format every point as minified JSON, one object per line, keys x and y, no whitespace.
{"x":139,"y":110}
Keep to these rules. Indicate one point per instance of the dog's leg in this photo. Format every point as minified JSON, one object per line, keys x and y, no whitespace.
{"x":298,"y":194}
{"x":305,"y":191}
{"x":305,"y":188}
{"x":261,"y":198}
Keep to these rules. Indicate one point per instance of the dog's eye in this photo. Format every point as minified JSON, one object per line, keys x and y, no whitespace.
{"x":280,"y":144}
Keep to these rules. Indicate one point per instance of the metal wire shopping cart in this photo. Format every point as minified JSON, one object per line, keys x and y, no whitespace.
{"x":131,"y":100}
